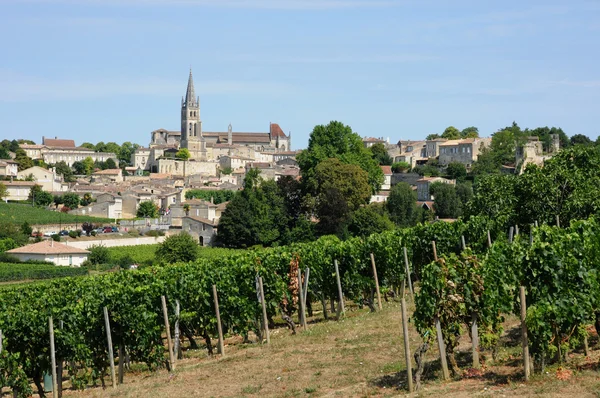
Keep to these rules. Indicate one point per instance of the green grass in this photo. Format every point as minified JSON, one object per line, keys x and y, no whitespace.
{"x":21,"y":271}
{"x":19,"y":213}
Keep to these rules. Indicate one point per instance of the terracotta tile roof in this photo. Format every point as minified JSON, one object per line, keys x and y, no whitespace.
{"x":222,"y":206}
{"x":451,"y":143}
{"x":109,"y":172}
{"x":198,"y":202}
{"x":239,"y":137}
{"x":386,"y":169}
{"x":19,"y":183}
{"x":276,"y":131}
{"x":372,"y":139}
{"x":58,"y":142}
{"x":48,"y":247}
{"x":159,"y":176}
{"x":258,"y":165}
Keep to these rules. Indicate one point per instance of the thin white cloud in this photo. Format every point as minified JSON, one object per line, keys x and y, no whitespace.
{"x":17,"y":88}
{"x":260,"y":4}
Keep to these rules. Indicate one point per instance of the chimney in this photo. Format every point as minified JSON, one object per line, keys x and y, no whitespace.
{"x":212,"y":200}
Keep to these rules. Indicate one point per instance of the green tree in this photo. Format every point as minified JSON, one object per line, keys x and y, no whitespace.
{"x":451,"y":133}
{"x":381,"y":155}
{"x":112,"y":147}
{"x":336,"y":140}
{"x":78,"y":168}
{"x":470,"y":132}
{"x":147,"y":208}
{"x":464,"y":192}
{"x":402,"y":204}
{"x":99,"y":254}
{"x":433,"y":136}
{"x":100,"y":147}
{"x":88,"y":165}
{"x":34,"y":193}
{"x":446,"y":202}
{"x":369,"y":220}
{"x":26,"y":229}
{"x":177,"y":248}
{"x":43,"y":198}
{"x":494,"y":198}
{"x":88,"y":145}
{"x":486,"y":163}
{"x":400,"y":167}
{"x":456,"y":171}
{"x":110,"y":164}
{"x":125,"y":152}
{"x":254,"y":216}
{"x":3,"y":191}
{"x":63,"y":169}
{"x":58,"y":200}
{"x":580,"y":139}
{"x":342,"y":189}
{"x":71,"y":200}
{"x":24,"y":161}
{"x":183,"y":154}
{"x":4,"y":153}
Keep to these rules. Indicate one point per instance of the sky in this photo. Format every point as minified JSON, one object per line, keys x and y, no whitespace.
{"x":115,"y":70}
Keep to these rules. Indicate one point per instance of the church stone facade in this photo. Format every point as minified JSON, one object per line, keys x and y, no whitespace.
{"x":205,"y":147}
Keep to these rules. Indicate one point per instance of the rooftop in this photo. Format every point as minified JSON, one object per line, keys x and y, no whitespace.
{"x":47,"y":247}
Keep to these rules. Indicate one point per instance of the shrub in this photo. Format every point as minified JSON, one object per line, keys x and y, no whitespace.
{"x":56,"y":237}
{"x":99,"y":254}
{"x":155,"y":232}
{"x":400,"y":167}
{"x":177,"y":248}
{"x":93,"y":233}
{"x":74,"y":234}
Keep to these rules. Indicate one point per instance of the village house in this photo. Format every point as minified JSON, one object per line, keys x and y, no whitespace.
{"x":424,"y":184}
{"x":463,"y":151}
{"x":46,"y":178}
{"x":8,"y":168}
{"x":201,"y":229}
{"x":54,"y":150}
{"x":107,"y":205}
{"x":51,"y":251}
{"x":18,"y":190}
{"x":107,"y":176}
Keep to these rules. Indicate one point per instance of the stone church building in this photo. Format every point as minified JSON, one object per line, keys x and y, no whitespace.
{"x":206,"y":147}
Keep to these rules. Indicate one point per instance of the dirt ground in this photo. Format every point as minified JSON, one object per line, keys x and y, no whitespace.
{"x":359,"y":356}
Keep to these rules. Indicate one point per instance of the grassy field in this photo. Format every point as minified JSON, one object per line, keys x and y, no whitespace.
{"x":360,"y":356}
{"x":19,"y":213}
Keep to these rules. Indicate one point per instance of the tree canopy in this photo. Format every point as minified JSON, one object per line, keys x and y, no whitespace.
{"x":337,"y":140}
{"x":177,"y":248}
{"x":147,"y":208}
{"x":402,"y":204}
{"x":381,"y":155}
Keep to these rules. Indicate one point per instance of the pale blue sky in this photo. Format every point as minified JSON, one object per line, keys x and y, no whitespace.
{"x":114,"y":70}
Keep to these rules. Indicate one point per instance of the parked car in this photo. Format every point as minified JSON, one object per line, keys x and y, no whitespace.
{"x":107,"y":230}
{"x":37,"y":234}
{"x":50,"y":233}
{"x":99,"y":230}
{"x":64,"y":232}
{"x":115,"y":229}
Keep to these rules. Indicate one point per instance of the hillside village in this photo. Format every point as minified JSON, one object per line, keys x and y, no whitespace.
{"x":178,"y":161}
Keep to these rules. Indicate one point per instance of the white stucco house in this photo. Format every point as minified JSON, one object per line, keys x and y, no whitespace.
{"x":49,"y":250}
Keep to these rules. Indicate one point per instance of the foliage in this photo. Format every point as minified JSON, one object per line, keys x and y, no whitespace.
{"x":254,"y":216}
{"x":342,"y":189}
{"x":545,"y":135}
{"x":402,"y":204}
{"x":62,"y":168}
{"x":99,"y":254}
{"x":369,"y":220}
{"x":87,"y":166}
{"x":139,"y":254}
{"x":177,"y":248}
{"x":218,"y":196}
{"x":456,"y":171}
{"x":380,"y":154}
{"x":433,"y":136}
{"x":147,"y":208}
{"x":71,"y":200}
{"x":427,"y":170}
{"x":451,"y":133}
{"x":110,"y":164}
{"x":470,"y":132}
{"x":580,"y":139}
{"x":336,"y":140}
{"x":446,"y":201}
{"x":24,"y":161}
{"x":27,"y":271}
{"x":3,"y":191}
{"x":400,"y":167}
{"x":183,"y":154}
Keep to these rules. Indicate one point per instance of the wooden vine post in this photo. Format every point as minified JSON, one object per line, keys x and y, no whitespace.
{"x":489,"y":238}
{"x":407,"y":267}
{"x":53,"y":358}
{"x":475,"y":341}
{"x":305,"y":291}
{"x":111,"y":356}
{"x":510,"y":234}
{"x":440,"y":337}
{"x":376,"y":281}
{"x":525,"y":342}
{"x":176,"y":332}
{"x":163,"y":301}
{"x":59,"y":367}
{"x":1,"y":337}
{"x":462,"y":241}
{"x":219,"y":326}
{"x":341,"y":309}
{"x":264,"y":309}
{"x":301,"y":311}
{"x":406,"y":339}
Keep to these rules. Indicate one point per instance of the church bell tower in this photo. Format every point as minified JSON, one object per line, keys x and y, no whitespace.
{"x":191,"y":126}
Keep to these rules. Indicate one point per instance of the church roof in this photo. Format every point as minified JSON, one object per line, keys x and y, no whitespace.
{"x":190,"y":94}
{"x":276,"y":131}
{"x":56,"y":142}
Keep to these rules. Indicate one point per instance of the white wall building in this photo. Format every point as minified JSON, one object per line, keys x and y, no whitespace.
{"x":49,"y":250}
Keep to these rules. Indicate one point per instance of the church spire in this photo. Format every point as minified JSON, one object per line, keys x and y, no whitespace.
{"x":190,"y":95}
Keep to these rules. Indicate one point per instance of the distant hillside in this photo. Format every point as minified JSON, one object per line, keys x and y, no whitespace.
{"x":19,"y":213}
